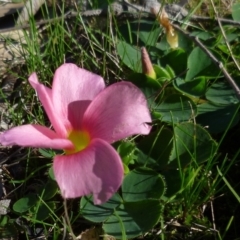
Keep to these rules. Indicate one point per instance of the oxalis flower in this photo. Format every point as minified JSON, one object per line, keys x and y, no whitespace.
{"x":87,"y":118}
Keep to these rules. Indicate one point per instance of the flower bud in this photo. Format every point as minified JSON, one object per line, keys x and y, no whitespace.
{"x":147,"y":67}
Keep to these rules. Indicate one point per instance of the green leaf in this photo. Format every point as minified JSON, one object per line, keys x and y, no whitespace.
{"x":3,"y":220}
{"x":49,"y":190}
{"x":231,"y":37}
{"x":197,"y":87}
{"x":184,"y":42}
{"x":175,"y":108}
{"x":192,"y":144}
{"x":146,"y":31}
{"x":170,"y":71}
{"x":200,"y":64}
{"x":9,"y":231}
{"x":217,"y":118}
{"x":221,"y":93}
{"x":140,"y":32}
{"x":99,"y":213}
{"x":202,"y":35}
{"x":141,"y":184}
{"x":51,"y":173}
{"x":150,"y":87}
{"x":173,"y":182}
{"x":126,"y":152}
{"x":197,"y":62}
{"x":155,"y":149}
{"x":236,"y":12}
{"x":42,"y":212}
{"x":177,"y":60}
{"x":131,"y":56}
{"x":162,"y":72}
{"x":25,"y":203}
{"x":46,"y":153}
{"x":143,"y":81}
{"x":133,"y":218}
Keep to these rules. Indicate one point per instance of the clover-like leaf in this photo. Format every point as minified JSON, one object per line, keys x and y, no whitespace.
{"x":192,"y":144}
{"x":197,"y":87}
{"x":142,"y":183}
{"x":154,"y":150}
{"x":236,"y":12}
{"x":99,"y":213}
{"x":218,"y":117}
{"x":133,"y":218}
{"x":221,"y":93}
{"x":175,"y":108}
{"x":131,"y":56}
{"x":25,"y":203}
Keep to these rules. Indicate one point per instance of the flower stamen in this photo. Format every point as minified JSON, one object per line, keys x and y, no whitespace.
{"x":80,"y":140}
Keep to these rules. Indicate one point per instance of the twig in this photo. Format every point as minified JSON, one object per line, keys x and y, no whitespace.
{"x":67,"y":218}
{"x":2,"y":161}
{"x":222,"y":20}
{"x":70,"y":14}
{"x":224,"y":36}
{"x":218,"y":63}
{"x":15,"y":189}
{"x":66,"y":16}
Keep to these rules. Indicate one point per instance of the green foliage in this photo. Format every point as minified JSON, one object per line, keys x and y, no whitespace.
{"x":196,"y":87}
{"x":136,"y":212}
{"x":140,"y":32}
{"x":192,"y":144}
{"x":133,"y":218}
{"x":7,"y":228}
{"x":154,"y":150}
{"x":168,"y":151}
{"x":98,"y":213}
{"x":141,"y":184}
{"x":172,"y":173}
{"x":35,"y":204}
{"x":127,"y":152}
{"x":191,"y":72}
{"x":25,"y":203}
{"x":175,"y":108}
{"x":221,"y":93}
{"x":217,"y":118}
{"x":130,"y":55}
{"x":236,"y":11}
{"x":199,"y":64}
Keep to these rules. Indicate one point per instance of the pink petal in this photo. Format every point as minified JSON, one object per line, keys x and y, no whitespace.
{"x":97,"y":169}
{"x":117,"y":112}
{"x":75,"y":113}
{"x":34,"y":136}
{"x":45,"y":96}
{"x":73,"y":85}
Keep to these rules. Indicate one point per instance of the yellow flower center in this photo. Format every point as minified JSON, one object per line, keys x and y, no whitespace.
{"x":80,"y":140}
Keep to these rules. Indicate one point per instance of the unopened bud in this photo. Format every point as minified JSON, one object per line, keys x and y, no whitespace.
{"x":147,"y":67}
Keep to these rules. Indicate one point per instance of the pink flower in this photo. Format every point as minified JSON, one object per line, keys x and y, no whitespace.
{"x":87,"y":118}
